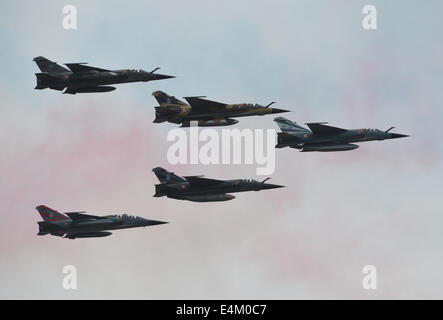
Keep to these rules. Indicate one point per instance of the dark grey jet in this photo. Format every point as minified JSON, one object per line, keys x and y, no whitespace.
{"x":81,"y":78}
{"x":205,"y":112}
{"x":326,"y":138}
{"x":74,"y":225}
{"x":198,"y":189}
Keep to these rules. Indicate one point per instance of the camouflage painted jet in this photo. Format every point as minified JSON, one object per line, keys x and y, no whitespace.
{"x":326,"y":138}
{"x":74,"y":225}
{"x":198,"y":189}
{"x":207,"y":113}
{"x":81,"y":78}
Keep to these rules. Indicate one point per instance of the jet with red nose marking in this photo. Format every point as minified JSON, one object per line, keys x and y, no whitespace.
{"x":72,"y":225}
{"x":82,"y":79}
{"x":199,"y":189}
{"x":324,"y":138}
{"x":205,"y":112}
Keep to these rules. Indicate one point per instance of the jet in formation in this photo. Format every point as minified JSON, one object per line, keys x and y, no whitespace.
{"x":199,"y":189}
{"x":74,"y":225}
{"x":324,"y":138}
{"x":207,"y":113}
{"x":80,"y":78}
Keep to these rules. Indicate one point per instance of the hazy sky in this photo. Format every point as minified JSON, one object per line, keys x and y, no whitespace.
{"x":378,"y":205}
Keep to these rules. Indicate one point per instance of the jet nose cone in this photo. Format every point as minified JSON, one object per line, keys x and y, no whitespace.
{"x":162,"y":76}
{"x":271,"y":186}
{"x":398,"y":135}
{"x":275,"y":110}
{"x":154,"y":222}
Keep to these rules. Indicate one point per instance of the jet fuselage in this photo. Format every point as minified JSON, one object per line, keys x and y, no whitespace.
{"x":229,"y":186}
{"x":196,"y":188}
{"x":326,"y":138}
{"x":205,"y":112}
{"x":80,"y":78}
{"x":353,"y":135}
{"x":94,"y":79}
{"x":78,"y":225}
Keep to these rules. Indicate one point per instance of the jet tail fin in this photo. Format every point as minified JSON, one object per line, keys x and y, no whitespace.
{"x":46,"y":65}
{"x":50,"y":215}
{"x":163,"y":98}
{"x":165,"y":176}
{"x":289,"y":126}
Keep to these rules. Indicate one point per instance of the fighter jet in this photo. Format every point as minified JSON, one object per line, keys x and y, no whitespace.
{"x":207,"y":113}
{"x":72,"y":225}
{"x":199,"y":189}
{"x":326,"y":138}
{"x":81,"y":78}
